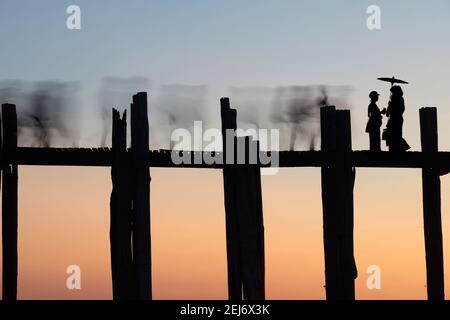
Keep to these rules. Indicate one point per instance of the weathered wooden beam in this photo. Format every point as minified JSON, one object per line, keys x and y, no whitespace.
{"x":243,"y":213}
{"x":141,"y":197}
{"x":345,"y":176}
{"x":410,"y":159}
{"x":1,"y":153}
{"x":431,"y":191}
{"x":91,"y":157}
{"x":9,"y":204}
{"x":250,"y":225}
{"x":234,"y":273}
{"x":337,"y":201}
{"x":102,"y":157}
{"x":328,"y":177}
{"x":120,"y":217}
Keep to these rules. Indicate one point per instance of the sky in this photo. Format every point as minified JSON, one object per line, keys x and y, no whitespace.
{"x":64,"y":212}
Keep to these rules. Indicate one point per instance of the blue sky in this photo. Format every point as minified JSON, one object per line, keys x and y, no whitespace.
{"x":237,"y":43}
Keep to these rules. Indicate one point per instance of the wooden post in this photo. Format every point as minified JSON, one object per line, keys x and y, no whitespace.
{"x":260,"y":269}
{"x":9,"y":203}
{"x":337,"y":201}
{"x":244,"y":216}
{"x":431,"y":186}
{"x":345,"y":176}
{"x":1,"y":154}
{"x":228,"y":116}
{"x":120,"y":206}
{"x":328,"y":144}
{"x":141,"y":197}
{"x":250,"y":225}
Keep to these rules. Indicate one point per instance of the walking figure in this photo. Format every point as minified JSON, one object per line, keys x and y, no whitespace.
{"x":374,"y":122}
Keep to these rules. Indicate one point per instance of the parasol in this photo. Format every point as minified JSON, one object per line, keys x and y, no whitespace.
{"x":392,"y":80}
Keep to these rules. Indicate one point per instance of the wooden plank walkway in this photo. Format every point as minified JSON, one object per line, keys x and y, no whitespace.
{"x":102,"y":157}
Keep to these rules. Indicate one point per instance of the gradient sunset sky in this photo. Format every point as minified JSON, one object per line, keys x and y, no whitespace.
{"x":64,"y":212}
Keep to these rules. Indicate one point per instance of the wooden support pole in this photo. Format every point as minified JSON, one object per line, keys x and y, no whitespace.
{"x":337,"y":201}
{"x":141,"y":197}
{"x":120,"y":206}
{"x":328,"y":176}
{"x":228,"y":116}
{"x":244,"y":214}
{"x":260,"y":269}
{"x":9,"y":204}
{"x":250,"y":225}
{"x":431,"y":191}
{"x":1,"y":154}
{"x":345,"y":178}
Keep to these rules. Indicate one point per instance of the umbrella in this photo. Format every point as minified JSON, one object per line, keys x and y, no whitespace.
{"x":392,"y":80}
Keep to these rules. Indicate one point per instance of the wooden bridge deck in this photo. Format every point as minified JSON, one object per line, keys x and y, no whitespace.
{"x":162,"y":158}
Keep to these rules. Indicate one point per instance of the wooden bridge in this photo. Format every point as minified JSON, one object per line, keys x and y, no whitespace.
{"x":102,"y":157}
{"x":130,"y":199}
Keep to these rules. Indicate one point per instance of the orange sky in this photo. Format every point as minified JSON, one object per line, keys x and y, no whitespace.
{"x":64,"y":220}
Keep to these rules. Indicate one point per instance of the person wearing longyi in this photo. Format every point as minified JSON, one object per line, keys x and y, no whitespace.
{"x":374,"y":122}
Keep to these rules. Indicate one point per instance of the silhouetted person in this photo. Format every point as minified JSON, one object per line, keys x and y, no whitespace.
{"x":374,"y":122}
{"x":393,"y":134}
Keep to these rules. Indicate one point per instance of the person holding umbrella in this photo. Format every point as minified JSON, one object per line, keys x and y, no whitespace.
{"x":393,"y":134}
{"x":374,"y":123}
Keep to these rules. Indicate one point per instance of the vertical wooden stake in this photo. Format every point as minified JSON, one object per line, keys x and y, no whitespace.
{"x":337,"y":201}
{"x":229,"y":176}
{"x":431,"y":186}
{"x":9,"y":203}
{"x":141,"y":196}
{"x":244,"y":215}
{"x":1,"y":154}
{"x":328,"y":177}
{"x":344,"y":206}
{"x":120,"y":206}
{"x":251,"y":227}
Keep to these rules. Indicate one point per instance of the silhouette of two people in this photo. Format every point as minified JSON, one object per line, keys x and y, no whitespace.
{"x":393,"y":134}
